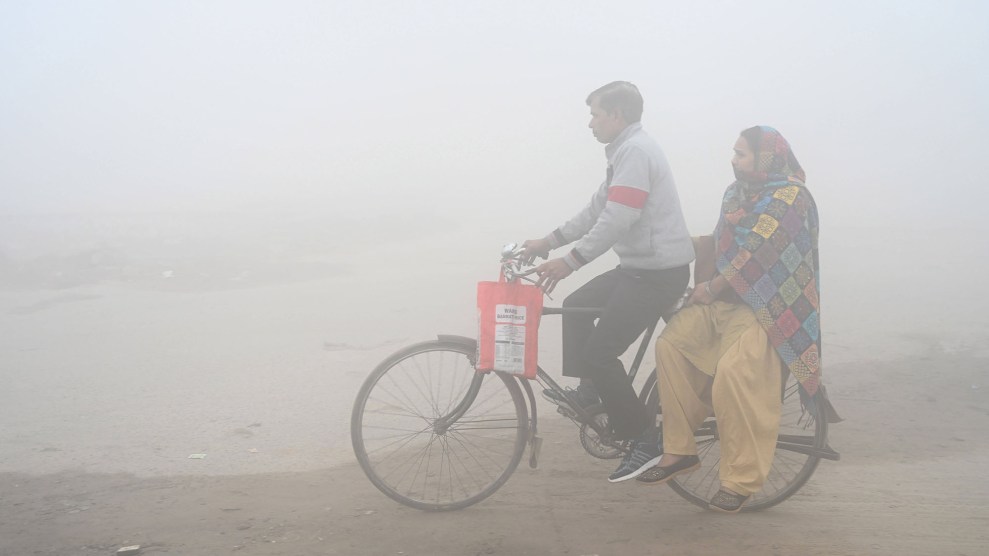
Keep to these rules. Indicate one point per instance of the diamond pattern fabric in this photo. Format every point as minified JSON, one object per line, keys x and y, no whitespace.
{"x":766,"y":243}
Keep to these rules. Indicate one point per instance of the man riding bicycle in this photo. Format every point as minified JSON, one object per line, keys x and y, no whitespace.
{"x":636,"y":211}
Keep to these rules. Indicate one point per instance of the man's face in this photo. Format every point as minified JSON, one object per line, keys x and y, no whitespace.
{"x":605,"y":126}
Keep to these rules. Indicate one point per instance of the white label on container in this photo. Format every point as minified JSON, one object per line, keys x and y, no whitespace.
{"x":509,"y":353}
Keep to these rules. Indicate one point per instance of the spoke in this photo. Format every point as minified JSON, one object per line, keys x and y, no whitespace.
{"x":412,"y":463}
{"x":479,"y":402}
{"x":455,"y":390}
{"x":449,"y":466}
{"x":467,"y":445}
{"x":394,"y":414}
{"x":409,"y":437}
{"x":439,"y":475}
{"x":713,"y":470}
{"x":418,"y":387}
{"x":411,"y":404}
{"x":780,"y":463}
{"x":463,"y":486}
{"x":427,"y":458}
{"x":771,"y":479}
{"x":384,"y":428}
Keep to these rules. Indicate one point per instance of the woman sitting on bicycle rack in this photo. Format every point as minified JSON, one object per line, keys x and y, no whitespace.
{"x":725,"y":352}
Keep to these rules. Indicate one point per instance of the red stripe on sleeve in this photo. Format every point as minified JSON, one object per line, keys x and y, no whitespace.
{"x":628,"y":196}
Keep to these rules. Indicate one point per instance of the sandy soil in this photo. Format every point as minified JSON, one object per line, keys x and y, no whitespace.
{"x":110,"y":385}
{"x":911,"y":481}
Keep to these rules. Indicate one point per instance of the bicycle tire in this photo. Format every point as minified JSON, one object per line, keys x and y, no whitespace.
{"x":395,"y":436}
{"x":790,"y":470}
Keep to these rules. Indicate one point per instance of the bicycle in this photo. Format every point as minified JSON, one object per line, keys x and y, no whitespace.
{"x":432,"y":433}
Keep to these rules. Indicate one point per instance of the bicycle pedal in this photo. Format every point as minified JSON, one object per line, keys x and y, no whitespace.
{"x":536,"y":445}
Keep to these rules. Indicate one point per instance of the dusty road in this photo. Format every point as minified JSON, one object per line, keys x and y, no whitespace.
{"x":107,"y":388}
{"x":911,"y":481}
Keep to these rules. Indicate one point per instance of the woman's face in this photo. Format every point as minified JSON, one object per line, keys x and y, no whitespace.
{"x":744,"y":160}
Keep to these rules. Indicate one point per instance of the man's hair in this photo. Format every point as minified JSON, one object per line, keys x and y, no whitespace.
{"x":620,"y":96}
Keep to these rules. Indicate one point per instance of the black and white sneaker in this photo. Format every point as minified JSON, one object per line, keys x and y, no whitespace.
{"x":585,"y":395}
{"x":641,"y":456}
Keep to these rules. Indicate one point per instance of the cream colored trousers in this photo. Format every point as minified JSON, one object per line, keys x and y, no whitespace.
{"x":743,"y":394}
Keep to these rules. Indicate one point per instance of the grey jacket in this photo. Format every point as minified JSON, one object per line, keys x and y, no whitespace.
{"x":636,"y":210}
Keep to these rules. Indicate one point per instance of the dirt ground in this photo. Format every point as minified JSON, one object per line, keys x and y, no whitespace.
{"x":911,"y":481}
{"x":110,"y":382}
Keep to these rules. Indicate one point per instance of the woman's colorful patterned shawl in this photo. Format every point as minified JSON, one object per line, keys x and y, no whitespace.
{"x":767,"y":249}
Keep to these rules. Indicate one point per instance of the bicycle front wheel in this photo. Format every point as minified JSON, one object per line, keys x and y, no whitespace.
{"x":433,"y":434}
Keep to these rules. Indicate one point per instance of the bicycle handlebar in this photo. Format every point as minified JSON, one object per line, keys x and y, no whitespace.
{"x":511,"y":267}
{"x":511,"y":263}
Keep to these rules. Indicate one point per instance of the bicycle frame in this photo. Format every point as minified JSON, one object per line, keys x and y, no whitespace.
{"x":546,"y":380}
{"x":633,"y":370}
{"x":801,"y":443}
{"x":643,"y":345}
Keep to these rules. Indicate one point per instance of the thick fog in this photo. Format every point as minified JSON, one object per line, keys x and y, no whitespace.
{"x":394,"y":108}
{"x":220,"y":214}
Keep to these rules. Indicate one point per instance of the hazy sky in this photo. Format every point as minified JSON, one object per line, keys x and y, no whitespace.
{"x":470,"y":108}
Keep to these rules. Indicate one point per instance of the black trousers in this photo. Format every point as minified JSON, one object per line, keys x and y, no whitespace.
{"x":632,"y":300}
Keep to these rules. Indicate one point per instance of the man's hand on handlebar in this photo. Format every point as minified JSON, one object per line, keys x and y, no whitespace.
{"x":551,"y":272}
{"x":533,"y":248}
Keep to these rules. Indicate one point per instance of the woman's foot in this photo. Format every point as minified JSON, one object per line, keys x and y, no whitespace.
{"x":668,"y":467}
{"x":727,"y":501}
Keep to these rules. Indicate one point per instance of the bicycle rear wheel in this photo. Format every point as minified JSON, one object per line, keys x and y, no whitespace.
{"x":803,"y":428}
{"x":433,"y":434}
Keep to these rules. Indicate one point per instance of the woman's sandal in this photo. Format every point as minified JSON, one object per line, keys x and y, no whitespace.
{"x":727,"y":501}
{"x":658,"y":475}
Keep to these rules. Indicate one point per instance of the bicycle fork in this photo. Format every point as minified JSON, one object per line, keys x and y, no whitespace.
{"x":535,"y":442}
